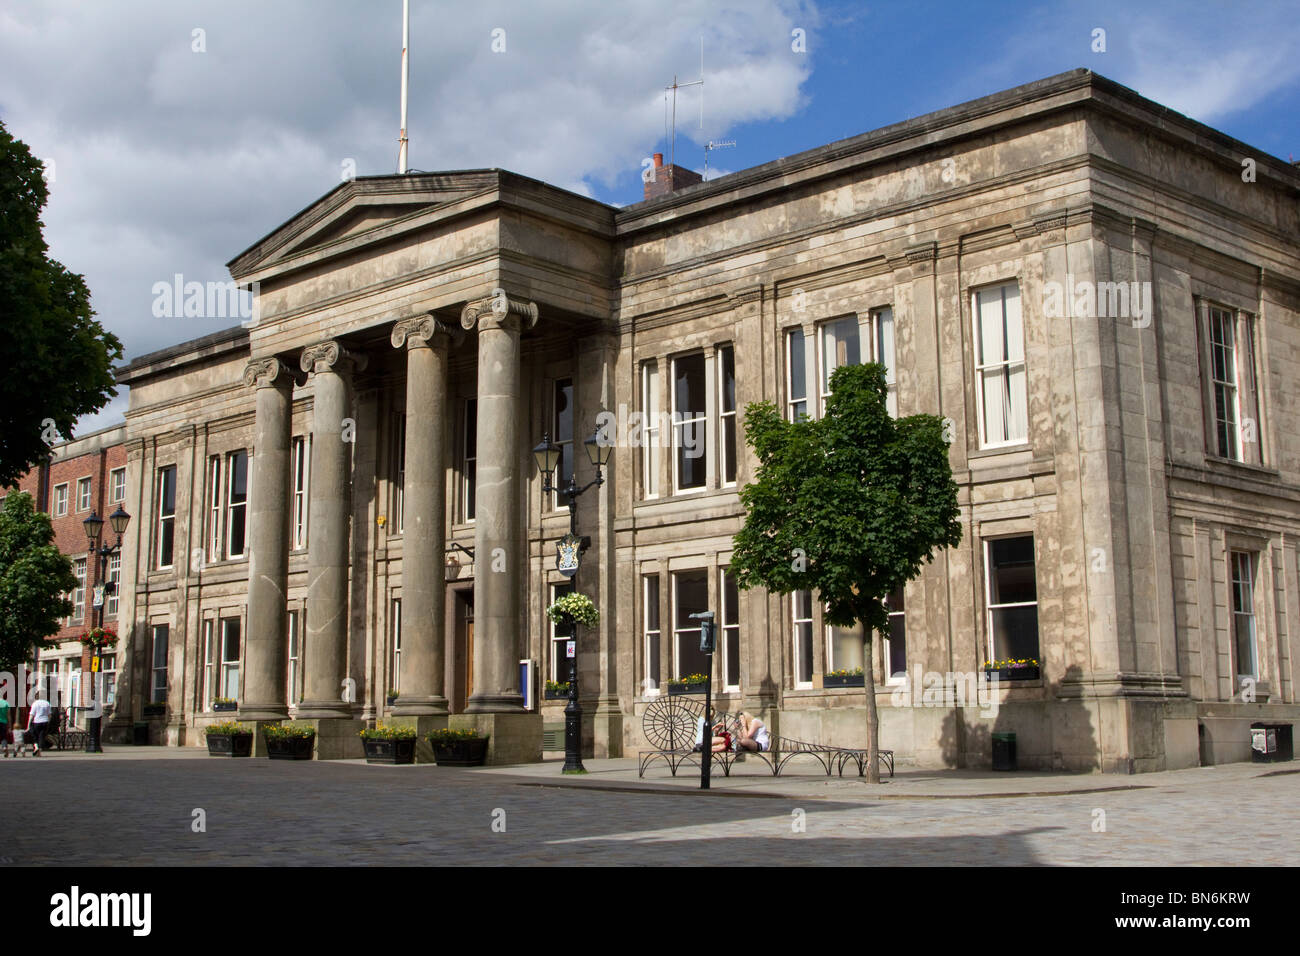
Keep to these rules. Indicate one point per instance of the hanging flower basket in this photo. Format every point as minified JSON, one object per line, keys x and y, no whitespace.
{"x":104,"y":636}
{"x":574,"y":608}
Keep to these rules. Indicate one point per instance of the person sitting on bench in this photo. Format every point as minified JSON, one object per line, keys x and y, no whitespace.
{"x":754,"y":734}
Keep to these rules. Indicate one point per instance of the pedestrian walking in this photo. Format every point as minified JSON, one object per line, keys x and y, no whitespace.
{"x":4,"y":724}
{"x":38,"y":721}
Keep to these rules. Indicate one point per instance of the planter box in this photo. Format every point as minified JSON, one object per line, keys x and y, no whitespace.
{"x":391,"y":701}
{"x":461,"y":753}
{"x":154,"y":710}
{"x":845,"y":680}
{"x":555,"y":695}
{"x":230,"y":745}
{"x":224,"y":707}
{"x":390,"y":751}
{"x":291,"y":748}
{"x":676,"y":690}
{"x":1012,"y":673}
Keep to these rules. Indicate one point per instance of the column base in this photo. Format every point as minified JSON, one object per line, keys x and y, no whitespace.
{"x":420,"y":707}
{"x":512,"y":738}
{"x":337,"y":738}
{"x":495,"y":704}
{"x":422,"y":723}
{"x":606,"y":730}
{"x":324,"y":710}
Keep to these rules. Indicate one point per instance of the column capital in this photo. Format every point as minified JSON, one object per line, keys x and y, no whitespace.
{"x":329,"y":356}
{"x":499,"y":311}
{"x":424,"y":331}
{"x":268,"y":373}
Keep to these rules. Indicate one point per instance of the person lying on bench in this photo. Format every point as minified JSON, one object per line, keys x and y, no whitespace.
{"x":753,"y":734}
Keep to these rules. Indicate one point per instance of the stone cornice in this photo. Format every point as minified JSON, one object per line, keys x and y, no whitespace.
{"x":424,"y":330}
{"x":329,"y":356}
{"x":499,"y":311}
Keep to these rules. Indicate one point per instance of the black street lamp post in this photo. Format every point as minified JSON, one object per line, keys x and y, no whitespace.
{"x":547,"y":456}
{"x":118,"y":521}
{"x":706,"y":736}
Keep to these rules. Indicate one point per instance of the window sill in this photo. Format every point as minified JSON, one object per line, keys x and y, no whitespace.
{"x":990,"y":451}
{"x":1231,"y":464}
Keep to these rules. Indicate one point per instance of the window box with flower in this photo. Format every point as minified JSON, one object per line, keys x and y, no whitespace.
{"x":388,"y":744}
{"x":1025,"y":668}
{"x":556,"y":690}
{"x":691,"y":684}
{"x":457,"y":748}
{"x":849,"y":677}
{"x":222,"y":704}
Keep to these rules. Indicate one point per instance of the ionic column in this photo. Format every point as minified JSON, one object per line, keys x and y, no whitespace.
{"x":498,"y":535}
{"x":424,"y":514}
{"x":265,"y":694}
{"x":325,"y":647}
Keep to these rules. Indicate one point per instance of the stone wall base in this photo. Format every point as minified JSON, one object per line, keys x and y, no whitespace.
{"x":512,"y":738}
{"x":336,"y":738}
{"x":1081,"y":735}
{"x":422,"y":724}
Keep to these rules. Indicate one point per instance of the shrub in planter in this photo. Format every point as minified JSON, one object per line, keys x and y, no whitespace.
{"x":692,"y":684}
{"x":289,"y":741}
{"x":225,"y":703}
{"x":457,"y":748}
{"x":392,"y":697}
{"x":389,"y":744}
{"x":229,"y":739}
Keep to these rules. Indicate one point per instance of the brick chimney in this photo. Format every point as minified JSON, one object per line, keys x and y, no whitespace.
{"x":670,"y":178}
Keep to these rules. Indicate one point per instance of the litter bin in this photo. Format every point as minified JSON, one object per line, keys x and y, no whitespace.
{"x":1270,"y":743}
{"x":1004,"y":751}
{"x":140,"y":733}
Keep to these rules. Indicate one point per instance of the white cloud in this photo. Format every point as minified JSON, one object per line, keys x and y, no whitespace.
{"x":173,"y":161}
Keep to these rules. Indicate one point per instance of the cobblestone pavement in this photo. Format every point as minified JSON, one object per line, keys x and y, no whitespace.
{"x":261,"y":812}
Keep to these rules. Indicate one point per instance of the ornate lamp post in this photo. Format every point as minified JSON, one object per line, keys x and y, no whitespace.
{"x":568,"y":556}
{"x":118,"y":521}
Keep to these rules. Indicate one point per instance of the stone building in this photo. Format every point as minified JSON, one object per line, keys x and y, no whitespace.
{"x":84,"y":476}
{"x":1100,"y":295}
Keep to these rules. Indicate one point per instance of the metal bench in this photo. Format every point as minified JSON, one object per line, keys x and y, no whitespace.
{"x":671,"y":723}
{"x":60,"y":736}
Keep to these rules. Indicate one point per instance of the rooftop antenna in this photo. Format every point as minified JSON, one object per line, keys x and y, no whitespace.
{"x":711,"y":144}
{"x":406,"y":77}
{"x":672,"y":146}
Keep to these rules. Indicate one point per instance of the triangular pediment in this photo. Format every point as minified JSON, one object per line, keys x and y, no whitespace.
{"x":358,"y":211}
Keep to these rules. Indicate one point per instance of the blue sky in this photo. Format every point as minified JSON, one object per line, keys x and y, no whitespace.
{"x":182,"y":133}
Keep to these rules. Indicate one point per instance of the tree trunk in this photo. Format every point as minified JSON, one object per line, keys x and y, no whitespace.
{"x":873,"y":722}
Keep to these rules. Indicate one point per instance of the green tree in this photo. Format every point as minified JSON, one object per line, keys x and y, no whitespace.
{"x":34,"y":576}
{"x":58,"y":359}
{"x":849,"y":506}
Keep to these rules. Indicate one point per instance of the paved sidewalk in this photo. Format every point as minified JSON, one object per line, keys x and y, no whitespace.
{"x":806,"y":781}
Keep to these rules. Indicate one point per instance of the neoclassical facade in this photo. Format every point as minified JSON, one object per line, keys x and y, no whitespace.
{"x":338,"y":500}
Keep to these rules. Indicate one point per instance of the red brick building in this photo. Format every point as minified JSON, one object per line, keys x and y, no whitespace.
{"x":85,"y":475}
